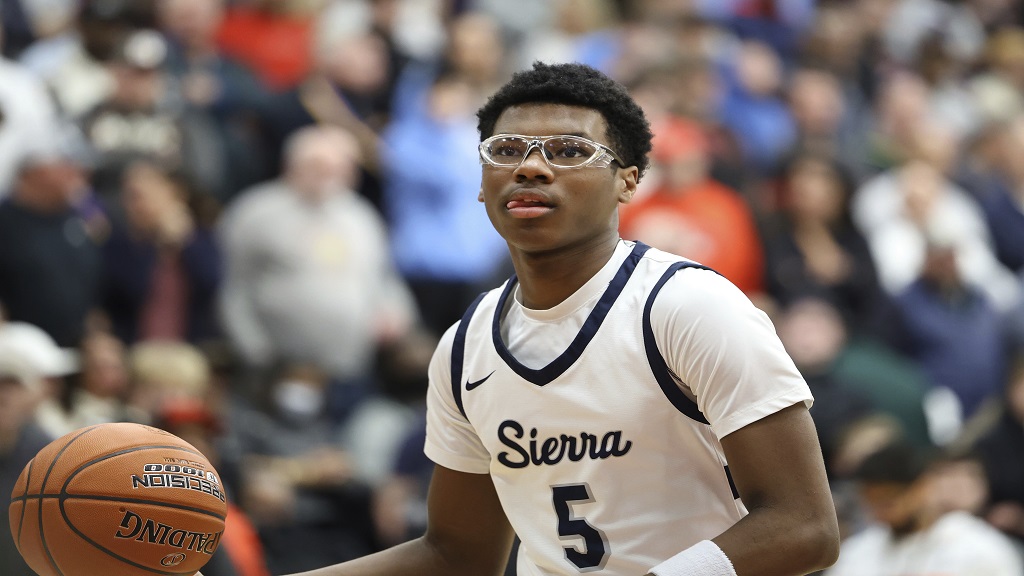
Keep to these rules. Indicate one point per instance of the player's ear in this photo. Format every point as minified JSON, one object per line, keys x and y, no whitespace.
{"x":627,"y":180}
{"x":480,"y":195}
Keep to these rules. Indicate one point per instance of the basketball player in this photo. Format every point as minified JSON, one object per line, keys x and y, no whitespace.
{"x":622,"y":410}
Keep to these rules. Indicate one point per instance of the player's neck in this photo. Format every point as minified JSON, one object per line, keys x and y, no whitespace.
{"x":547,"y":279}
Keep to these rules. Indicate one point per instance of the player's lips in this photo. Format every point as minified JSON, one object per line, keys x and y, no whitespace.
{"x":528,"y":203}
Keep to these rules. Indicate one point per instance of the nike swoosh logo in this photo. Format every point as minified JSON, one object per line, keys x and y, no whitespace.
{"x":471,"y":385}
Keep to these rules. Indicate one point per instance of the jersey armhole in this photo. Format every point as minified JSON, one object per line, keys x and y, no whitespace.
{"x":459,"y":353}
{"x":666,"y":381}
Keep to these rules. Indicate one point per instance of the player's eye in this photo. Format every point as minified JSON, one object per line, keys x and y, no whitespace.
{"x":508,"y":148}
{"x":570,"y":149}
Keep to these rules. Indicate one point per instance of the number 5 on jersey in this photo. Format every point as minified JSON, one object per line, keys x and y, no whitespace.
{"x":595,"y":543}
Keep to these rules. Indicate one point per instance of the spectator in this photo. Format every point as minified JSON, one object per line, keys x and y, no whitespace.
{"x":20,"y":440}
{"x":96,"y":394}
{"x":68,"y":55}
{"x":223,"y":89}
{"x":899,"y":209}
{"x":578,"y":31}
{"x":444,"y":246}
{"x":910,"y":533}
{"x":297,"y":483}
{"x":951,"y":330}
{"x":309,"y":269}
{"x":814,"y":335}
{"x":164,"y":372}
{"x":142,"y":118}
{"x":997,"y":87}
{"x":347,"y":86}
{"x":813,"y":248}
{"x":827,"y":122}
{"x":994,"y":175}
{"x":689,"y":213}
{"x":752,"y":108}
{"x":49,"y":257}
{"x":280,"y":24}
{"x":25,"y":110}
{"x":162,"y":266}
{"x":1000,"y":449}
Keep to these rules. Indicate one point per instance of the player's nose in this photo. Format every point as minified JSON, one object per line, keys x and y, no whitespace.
{"x":534,"y":167}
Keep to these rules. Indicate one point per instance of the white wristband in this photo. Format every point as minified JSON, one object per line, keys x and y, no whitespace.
{"x":704,"y":558}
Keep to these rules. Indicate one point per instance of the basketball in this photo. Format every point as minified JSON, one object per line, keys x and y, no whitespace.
{"x":118,"y":500}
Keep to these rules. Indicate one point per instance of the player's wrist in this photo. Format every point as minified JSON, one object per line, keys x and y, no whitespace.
{"x":704,"y":558}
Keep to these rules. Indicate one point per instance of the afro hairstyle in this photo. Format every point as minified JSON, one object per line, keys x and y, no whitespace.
{"x":574,"y":84}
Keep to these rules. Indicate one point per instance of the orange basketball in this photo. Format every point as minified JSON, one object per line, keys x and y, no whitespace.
{"x":118,"y":500}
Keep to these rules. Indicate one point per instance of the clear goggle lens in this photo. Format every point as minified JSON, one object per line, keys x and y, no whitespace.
{"x":562,"y":151}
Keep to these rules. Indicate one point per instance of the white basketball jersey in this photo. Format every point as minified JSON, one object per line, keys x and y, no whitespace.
{"x":602,"y":463}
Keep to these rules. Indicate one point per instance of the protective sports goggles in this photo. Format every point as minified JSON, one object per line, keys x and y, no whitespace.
{"x":560,"y":151}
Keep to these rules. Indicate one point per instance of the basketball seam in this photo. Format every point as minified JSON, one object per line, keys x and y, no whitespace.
{"x":24,"y":505}
{"x":63,"y":497}
{"x":42,"y":488}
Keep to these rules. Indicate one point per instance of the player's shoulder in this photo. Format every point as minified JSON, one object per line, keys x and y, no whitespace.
{"x":689,"y":274}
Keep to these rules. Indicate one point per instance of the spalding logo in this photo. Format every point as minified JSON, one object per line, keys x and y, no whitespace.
{"x":135,"y":527}
{"x":172,"y":559}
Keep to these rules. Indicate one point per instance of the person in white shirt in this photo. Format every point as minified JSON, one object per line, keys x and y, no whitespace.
{"x":912,"y":535}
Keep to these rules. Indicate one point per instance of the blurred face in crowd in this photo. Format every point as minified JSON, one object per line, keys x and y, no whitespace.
{"x":104,"y":369}
{"x":148,"y":194}
{"x":51,"y":185}
{"x":475,"y":47}
{"x":320,"y":162}
{"x":136,"y":89}
{"x":759,"y":69}
{"x":358,"y":62}
{"x":815,"y":191}
{"x":902,"y":105}
{"x":837,"y":32}
{"x":300,"y":393}
{"x":816,"y":101}
{"x":936,"y":144}
{"x":16,"y":401}
{"x":897,"y":505}
{"x":192,"y":22}
{"x":959,"y":485}
{"x":813,"y":333}
{"x":685,"y":170}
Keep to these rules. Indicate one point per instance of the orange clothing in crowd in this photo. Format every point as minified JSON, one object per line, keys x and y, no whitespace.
{"x":243,"y":544}
{"x":708,"y":222}
{"x":275,"y":46}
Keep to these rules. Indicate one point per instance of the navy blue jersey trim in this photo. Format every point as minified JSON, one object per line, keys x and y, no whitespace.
{"x":459,"y":352}
{"x":559,"y":365}
{"x":732,"y":483}
{"x":654,"y":358}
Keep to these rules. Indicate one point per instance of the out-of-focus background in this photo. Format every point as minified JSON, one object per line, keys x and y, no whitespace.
{"x":249,"y":221}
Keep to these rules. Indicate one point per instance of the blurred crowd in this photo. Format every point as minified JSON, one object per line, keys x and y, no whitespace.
{"x":249,"y":221}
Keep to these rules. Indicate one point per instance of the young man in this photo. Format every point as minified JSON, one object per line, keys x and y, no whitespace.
{"x":620,"y":409}
{"x":911,"y":533}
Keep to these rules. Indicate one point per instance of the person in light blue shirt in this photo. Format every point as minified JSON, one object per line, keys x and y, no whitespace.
{"x":443,"y":243}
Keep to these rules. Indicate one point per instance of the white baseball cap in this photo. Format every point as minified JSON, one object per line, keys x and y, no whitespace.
{"x":38,"y":349}
{"x":14,"y":365}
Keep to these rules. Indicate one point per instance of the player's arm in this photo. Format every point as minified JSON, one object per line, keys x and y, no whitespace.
{"x":467,"y":535}
{"x":777,"y":467}
{"x":727,"y":354}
